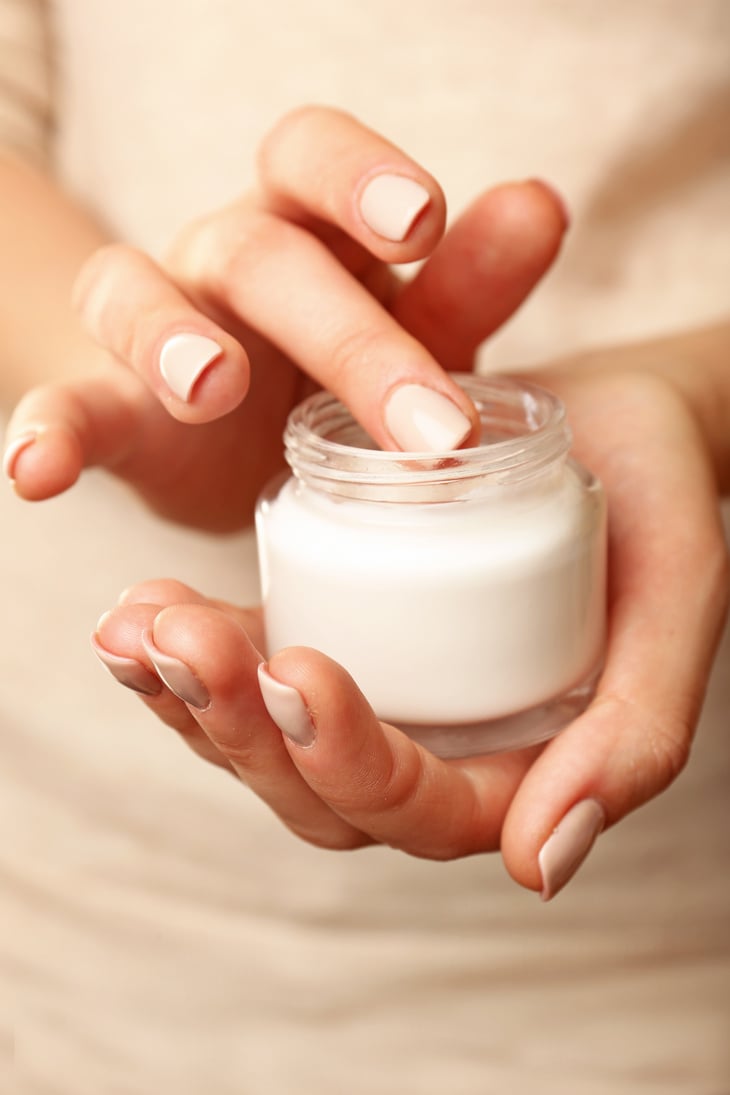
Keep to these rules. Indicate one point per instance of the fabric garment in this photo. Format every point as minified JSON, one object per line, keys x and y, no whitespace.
{"x":161,"y":931}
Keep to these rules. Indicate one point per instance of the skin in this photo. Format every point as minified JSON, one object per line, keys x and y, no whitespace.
{"x":650,"y":420}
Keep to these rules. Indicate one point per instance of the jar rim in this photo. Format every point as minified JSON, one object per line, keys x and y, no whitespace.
{"x":314,"y":421}
{"x":524,"y":431}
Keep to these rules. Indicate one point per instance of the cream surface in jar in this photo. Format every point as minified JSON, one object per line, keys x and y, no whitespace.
{"x":464,"y":591}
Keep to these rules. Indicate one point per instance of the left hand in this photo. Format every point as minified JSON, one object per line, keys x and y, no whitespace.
{"x":291,"y":286}
{"x":339,"y":778}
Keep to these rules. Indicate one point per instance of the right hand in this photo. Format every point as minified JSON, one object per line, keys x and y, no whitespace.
{"x":305,"y":739}
{"x":293,"y":283}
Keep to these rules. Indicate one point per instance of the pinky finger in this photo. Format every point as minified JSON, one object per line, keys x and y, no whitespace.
{"x":59,"y":429}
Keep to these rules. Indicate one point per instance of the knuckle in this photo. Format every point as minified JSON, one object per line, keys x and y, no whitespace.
{"x":356,"y":351}
{"x":413,"y":794}
{"x":401,"y":788}
{"x":294,"y":125}
{"x":214,"y":253}
{"x":238,"y":746}
{"x":385,"y":792}
{"x":669,"y":747}
{"x":196,"y":248}
{"x":193,"y":241}
{"x":99,"y":274}
{"x":657,"y":748}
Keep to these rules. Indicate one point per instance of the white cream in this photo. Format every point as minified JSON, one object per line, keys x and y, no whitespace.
{"x":476,"y":615}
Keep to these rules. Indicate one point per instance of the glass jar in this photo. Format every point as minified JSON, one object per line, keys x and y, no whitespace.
{"x":463,"y":591}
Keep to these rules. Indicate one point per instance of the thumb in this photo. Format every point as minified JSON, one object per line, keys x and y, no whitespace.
{"x":668,"y":592}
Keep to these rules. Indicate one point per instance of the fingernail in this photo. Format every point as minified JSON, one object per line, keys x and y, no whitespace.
{"x":178,"y":677}
{"x":422,"y":420}
{"x":127,"y":671}
{"x":14,"y":449}
{"x":563,"y":852}
{"x":183,"y":360}
{"x":390,"y":204}
{"x":287,"y":708}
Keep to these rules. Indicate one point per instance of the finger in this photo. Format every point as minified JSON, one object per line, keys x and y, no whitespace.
{"x":114,"y":421}
{"x":284,"y":283}
{"x":57,"y":430}
{"x":482,"y":271}
{"x":165,"y":592}
{"x":206,"y":659}
{"x":117,"y":643}
{"x":375,"y":777}
{"x":635,"y":738}
{"x":133,"y":309}
{"x":324,"y":169}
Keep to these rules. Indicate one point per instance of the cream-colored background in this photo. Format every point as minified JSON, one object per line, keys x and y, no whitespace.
{"x":159,"y":931}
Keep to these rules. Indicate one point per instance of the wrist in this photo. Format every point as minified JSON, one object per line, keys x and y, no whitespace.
{"x":695,"y":364}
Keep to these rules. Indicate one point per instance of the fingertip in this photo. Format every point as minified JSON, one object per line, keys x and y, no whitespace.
{"x":287,"y":709}
{"x":43,"y":462}
{"x":202,"y":376}
{"x":526,"y":222}
{"x":420,"y":418}
{"x":306,"y":669}
{"x":184,"y":358}
{"x":323,"y":162}
{"x":403,"y":215}
{"x":159,"y":591}
{"x":555,"y":203}
{"x":126,"y":670}
{"x":13,"y":450}
{"x":334,"y":703}
{"x":568,"y":845}
{"x":119,"y":629}
{"x":212,"y":640}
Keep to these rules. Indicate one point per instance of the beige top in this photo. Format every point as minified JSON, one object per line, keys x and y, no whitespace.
{"x":161,"y":931}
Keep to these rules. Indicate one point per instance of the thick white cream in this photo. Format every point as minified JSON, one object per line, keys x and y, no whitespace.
{"x":453,"y":612}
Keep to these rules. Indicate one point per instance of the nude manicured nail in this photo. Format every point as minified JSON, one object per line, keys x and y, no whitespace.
{"x":127,"y":671}
{"x":422,"y":420}
{"x":183,"y":360}
{"x":13,"y":451}
{"x":563,"y":852}
{"x":390,"y":204}
{"x":287,"y":708}
{"x":178,"y":677}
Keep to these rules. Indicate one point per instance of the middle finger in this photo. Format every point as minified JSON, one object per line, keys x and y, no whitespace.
{"x":284,"y":283}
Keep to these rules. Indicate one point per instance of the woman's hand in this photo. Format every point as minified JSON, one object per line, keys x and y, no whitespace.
{"x":297,"y":730}
{"x":290,"y":287}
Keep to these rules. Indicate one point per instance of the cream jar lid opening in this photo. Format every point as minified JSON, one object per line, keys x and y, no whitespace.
{"x":524,"y":435}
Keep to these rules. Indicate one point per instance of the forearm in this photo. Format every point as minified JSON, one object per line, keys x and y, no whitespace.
{"x":44,"y":239}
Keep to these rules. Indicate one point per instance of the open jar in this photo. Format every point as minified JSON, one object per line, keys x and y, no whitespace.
{"x":464,"y":591}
